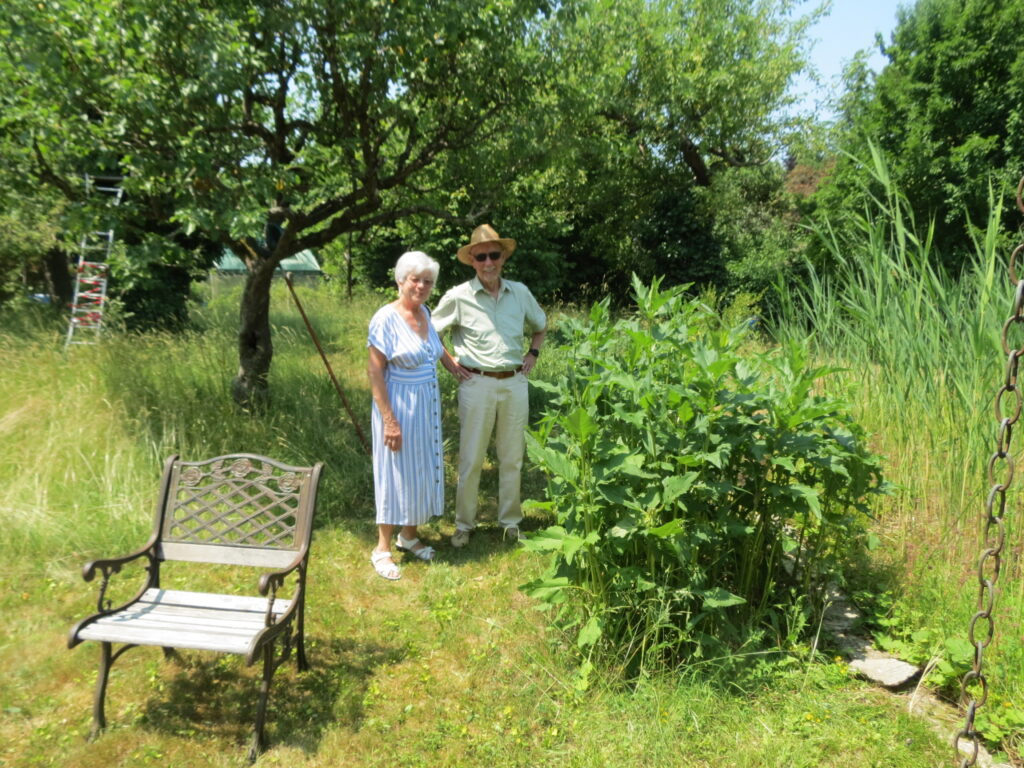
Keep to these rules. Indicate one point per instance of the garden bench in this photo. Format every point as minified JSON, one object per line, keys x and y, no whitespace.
{"x":238,"y":510}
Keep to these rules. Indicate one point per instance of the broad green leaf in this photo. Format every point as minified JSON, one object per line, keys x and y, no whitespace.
{"x":590,"y":633}
{"x":626,"y":526}
{"x":547,"y":590}
{"x":720,"y":598}
{"x":554,"y":462}
{"x":810,"y":496}
{"x":671,"y":528}
{"x":580,"y":424}
{"x":676,"y":485}
{"x":785,"y":462}
{"x":634,"y":465}
{"x":550,"y":539}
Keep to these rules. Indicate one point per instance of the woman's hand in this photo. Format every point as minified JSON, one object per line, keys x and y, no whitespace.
{"x":454,"y":367}
{"x":392,"y":434}
{"x":460,"y":373}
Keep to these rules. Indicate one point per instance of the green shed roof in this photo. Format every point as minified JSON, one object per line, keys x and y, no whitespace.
{"x":303,"y":262}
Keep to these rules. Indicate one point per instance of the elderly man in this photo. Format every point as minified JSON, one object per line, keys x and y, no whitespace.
{"x":487,"y":317}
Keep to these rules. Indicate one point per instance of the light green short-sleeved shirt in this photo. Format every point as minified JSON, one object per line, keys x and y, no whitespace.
{"x":487,"y":333}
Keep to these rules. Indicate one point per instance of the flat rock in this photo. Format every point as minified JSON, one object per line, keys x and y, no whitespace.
{"x":884,"y":670}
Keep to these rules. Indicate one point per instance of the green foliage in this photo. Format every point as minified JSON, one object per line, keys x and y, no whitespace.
{"x":443,"y":667}
{"x":703,"y":493}
{"x":946,"y":113}
{"x":589,"y":130}
{"x":879,"y":300}
{"x":757,"y":226}
{"x":665,"y":101}
{"x":616,"y":169}
{"x":266,"y":128}
{"x":30,"y":232}
{"x":317,"y":116}
{"x":697,"y":83}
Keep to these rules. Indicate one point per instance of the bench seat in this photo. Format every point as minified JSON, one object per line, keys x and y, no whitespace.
{"x":200,"y":621}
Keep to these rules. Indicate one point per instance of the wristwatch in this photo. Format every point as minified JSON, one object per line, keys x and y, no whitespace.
{"x":534,"y":351}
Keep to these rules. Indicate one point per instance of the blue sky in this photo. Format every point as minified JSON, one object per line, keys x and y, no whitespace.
{"x":850,"y":26}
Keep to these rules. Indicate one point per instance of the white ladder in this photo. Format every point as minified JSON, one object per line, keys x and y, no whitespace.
{"x":92,"y":271}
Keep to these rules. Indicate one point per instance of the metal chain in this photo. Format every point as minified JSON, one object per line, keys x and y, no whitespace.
{"x":981,"y":628}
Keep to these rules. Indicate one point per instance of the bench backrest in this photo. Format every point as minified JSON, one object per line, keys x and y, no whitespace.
{"x":240,"y":509}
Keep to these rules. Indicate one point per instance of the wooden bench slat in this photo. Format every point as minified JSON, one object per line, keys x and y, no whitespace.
{"x":187,"y":620}
{"x":218,"y":602}
{"x":172,"y":620}
{"x":197,"y":640}
{"x":256,"y":557}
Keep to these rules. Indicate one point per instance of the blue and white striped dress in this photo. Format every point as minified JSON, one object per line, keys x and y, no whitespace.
{"x":408,"y":484}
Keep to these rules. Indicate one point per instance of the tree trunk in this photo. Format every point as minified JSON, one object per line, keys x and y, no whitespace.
{"x":250,"y":388}
{"x":695,"y":160}
{"x":57,"y":268}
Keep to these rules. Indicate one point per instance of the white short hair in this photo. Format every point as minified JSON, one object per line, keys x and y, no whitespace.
{"x":415,"y":263}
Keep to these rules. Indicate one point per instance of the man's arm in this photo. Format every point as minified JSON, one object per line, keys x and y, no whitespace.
{"x":536,"y":342}
{"x":535,"y":319}
{"x":452,"y":365}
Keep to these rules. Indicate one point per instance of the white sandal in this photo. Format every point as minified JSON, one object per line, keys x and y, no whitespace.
{"x":387,"y":570}
{"x":424,"y":553}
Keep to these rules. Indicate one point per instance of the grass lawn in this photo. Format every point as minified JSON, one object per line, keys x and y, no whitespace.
{"x":450,"y":666}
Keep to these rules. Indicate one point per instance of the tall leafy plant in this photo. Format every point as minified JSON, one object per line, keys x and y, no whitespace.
{"x":703,"y":492}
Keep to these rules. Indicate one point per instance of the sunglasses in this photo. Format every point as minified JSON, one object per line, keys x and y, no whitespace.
{"x":492,"y":255}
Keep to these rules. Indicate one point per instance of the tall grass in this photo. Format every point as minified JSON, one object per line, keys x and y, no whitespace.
{"x":86,"y":430}
{"x":921,"y":349}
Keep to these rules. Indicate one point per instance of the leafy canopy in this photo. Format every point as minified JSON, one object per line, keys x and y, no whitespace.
{"x":946,"y":111}
{"x":321,"y":117}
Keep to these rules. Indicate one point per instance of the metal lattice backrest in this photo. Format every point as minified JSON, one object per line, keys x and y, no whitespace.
{"x":239,"y":509}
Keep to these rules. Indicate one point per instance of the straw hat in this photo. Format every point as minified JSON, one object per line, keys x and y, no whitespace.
{"x":485,"y":234}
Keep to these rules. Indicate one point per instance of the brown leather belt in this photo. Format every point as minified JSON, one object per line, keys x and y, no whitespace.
{"x":494,"y":374}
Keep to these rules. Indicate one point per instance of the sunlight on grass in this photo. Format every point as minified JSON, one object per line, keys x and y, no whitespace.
{"x":452,"y":665}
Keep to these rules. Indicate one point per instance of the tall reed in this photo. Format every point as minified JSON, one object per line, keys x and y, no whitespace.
{"x":920,"y":349}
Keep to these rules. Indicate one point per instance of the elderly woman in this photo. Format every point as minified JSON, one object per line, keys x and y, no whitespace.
{"x":408,"y":476}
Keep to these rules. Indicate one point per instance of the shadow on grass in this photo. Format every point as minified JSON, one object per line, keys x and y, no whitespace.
{"x":217,"y":696}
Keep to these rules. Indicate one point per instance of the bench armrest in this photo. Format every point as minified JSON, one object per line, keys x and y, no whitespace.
{"x":109,"y":566}
{"x":271,"y":580}
{"x":112,"y":564}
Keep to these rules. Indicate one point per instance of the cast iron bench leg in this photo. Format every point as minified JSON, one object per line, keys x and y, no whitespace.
{"x":301,"y":663}
{"x":259,"y":738}
{"x":99,"y":721}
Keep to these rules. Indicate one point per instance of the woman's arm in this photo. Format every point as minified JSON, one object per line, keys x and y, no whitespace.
{"x":379,"y":390}
{"x":452,"y":365}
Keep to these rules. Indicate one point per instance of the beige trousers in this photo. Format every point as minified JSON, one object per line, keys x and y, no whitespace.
{"x":489,"y":405}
